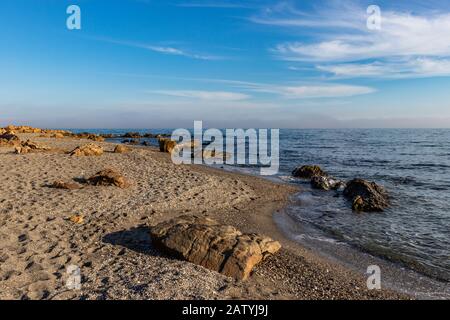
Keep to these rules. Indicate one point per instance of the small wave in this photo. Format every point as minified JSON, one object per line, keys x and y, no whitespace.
{"x":301,"y":237}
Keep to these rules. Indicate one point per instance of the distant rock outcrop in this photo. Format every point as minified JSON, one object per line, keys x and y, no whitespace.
{"x":366,"y":196}
{"x":214,"y":246}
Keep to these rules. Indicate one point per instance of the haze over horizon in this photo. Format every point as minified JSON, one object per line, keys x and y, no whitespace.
{"x":278,"y":64}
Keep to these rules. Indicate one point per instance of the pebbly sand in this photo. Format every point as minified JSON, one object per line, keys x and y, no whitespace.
{"x":112,"y":247}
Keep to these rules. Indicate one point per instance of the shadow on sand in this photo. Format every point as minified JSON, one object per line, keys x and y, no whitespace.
{"x":136,"y":239}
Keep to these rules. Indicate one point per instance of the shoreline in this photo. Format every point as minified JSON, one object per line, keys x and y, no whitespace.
{"x":113,"y":246}
{"x":395,"y":276}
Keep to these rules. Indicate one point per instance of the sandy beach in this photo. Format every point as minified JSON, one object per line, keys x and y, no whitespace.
{"x":112,"y":245}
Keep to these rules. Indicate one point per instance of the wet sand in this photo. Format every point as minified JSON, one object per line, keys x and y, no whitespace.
{"x":112,"y":247}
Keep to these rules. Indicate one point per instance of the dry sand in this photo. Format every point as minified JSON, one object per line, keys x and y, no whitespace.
{"x":112,"y":247}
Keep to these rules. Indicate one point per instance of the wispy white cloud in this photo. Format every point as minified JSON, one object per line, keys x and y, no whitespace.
{"x":180,"y":52}
{"x":324,"y":91}
{"x":204,"y":95}
{"x":310,"y":91}
{"x":407,"y":45}
{"x":168,"y":50}
{"x":411,"y":68}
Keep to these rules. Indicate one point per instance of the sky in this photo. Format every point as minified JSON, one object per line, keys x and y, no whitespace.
{"x":231,"y":64}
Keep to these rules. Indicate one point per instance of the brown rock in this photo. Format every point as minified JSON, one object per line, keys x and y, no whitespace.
{"x":108,"y":177}
{"x":166,"y":145}
{"x":87,"y":150}
{"x":35,"y":146}
{"x":22,"y":150}
{"x":58,"y":135}
{"x":65,"y":185}
{"x":366,"y":196}
{"x":9,"y":140}
{"x":120,"y":148}
{"x":214,"y":246}
{"x":307,"y":172}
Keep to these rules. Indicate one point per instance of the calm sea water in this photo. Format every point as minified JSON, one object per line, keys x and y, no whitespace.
{"x":412,"y":164}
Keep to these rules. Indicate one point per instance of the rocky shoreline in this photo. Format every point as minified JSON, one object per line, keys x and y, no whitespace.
{"x":103,"y":227}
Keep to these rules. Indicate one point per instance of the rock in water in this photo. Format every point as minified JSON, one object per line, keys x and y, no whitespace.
{"x":87,"y":150}
{"x":214,"y":246}
{"x":326,"y":183}
{"x":307,"y":172}
{"x":366,"y":196}
{"x":120,"y":148}
{"x":108,"y":177}
{"x":321,"y":182}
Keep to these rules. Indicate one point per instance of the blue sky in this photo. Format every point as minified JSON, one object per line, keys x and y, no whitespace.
{"x":283,"y":64}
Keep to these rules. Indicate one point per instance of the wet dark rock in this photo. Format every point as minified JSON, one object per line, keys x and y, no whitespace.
{"x":308,"y":171}
{"x":130,"y":141}
{"x":326,"y":183}
{"x":366,"y":196}
{"x":134,"y":135}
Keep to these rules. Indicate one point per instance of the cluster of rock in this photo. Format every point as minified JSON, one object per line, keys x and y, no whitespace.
{"x":19,"y":129}
{"x":168,"y":145}
{"x":214,"y":246}
{"x":137,"y":135}
{"x":29,"y":146}
{"x":50,"y":133}
{"x":9,"y":139}
{"x":365,"y":196}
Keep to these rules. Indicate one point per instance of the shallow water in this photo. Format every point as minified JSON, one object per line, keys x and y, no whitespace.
{"x":412,"y":164}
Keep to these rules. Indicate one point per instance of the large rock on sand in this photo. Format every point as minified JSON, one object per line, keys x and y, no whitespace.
{"x":87,"y":150}
{"x":307,"y":172}
{"x":214,"y":246}
{"x":366,"y":196}
{"x":108,"y":177}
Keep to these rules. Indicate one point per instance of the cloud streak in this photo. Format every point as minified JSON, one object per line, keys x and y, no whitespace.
{"x":167,"y":50}
{"x":204,"y":95}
